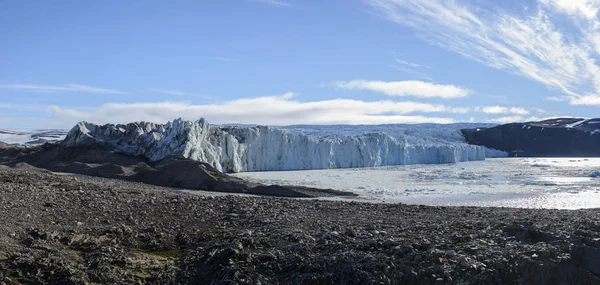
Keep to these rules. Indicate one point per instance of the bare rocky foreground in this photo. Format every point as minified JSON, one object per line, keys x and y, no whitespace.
{"x":67,"y":229}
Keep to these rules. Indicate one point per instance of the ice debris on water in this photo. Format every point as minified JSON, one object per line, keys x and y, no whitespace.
{"x":594,"y":174}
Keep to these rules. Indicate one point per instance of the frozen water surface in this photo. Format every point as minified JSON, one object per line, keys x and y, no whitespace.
{"x":560,"y":183}
{"x":30,"y":136}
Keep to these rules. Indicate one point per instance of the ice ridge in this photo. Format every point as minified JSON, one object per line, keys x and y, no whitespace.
{"x":261,"y":148}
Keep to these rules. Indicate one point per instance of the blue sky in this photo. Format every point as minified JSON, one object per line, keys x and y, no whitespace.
{"x":283,"y":62}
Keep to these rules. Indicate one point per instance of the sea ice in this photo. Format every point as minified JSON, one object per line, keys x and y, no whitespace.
{"x":499,"y":182}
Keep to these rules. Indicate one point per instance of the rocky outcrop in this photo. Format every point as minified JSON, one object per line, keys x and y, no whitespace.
{"x":260,"y":148}
{"x":170,"y":172}
{"x":556,"y":137}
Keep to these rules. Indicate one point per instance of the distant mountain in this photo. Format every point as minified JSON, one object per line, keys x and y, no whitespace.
{"x":555,"y":137}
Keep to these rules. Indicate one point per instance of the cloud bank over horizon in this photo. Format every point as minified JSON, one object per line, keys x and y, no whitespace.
{"x":267,"y":110}
{"x":283,"y":109}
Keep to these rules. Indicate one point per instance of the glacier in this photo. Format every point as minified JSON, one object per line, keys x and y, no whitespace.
{"x":32,"y":137}
{"x":239,"y":148}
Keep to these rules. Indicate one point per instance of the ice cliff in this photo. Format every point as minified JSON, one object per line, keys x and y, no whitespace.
{"x":260,"y":148}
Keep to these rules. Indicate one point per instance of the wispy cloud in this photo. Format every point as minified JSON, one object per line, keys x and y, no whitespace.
{"x":275,"y":2}
{"x":405,"y":88}
{"x":558,"y":98}
{"x":269,"y":110}
{"x":526,"y":43}
{"x":411,"y":68}
{"x":502,"y":110}
{"x":541,"y":111}
{"x":411,"y":64}
{"x":60,"y":88}
{"x":409,"y":71}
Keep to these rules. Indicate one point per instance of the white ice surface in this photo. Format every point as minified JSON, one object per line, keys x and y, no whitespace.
{"x":24,"y":136}
{"x":561,"y":183}
{"x":260,"y":148}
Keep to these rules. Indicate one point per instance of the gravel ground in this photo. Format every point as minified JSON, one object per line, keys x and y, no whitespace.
{"x":68,"y":229}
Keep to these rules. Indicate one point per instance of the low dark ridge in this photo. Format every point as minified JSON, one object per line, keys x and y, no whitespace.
{"x":562,"y":137}
{"x":101,"y":161}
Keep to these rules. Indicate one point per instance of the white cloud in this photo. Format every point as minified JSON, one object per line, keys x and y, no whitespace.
{"x":510,"y":119}
{"x":60,"y":88}
{"x":527,"y":43}
{"x":271,"y":110}
{"x":502,"y":110}
{"x":275,"y":2}
{"x":405,"y":88}
{"x":586,"y":100}
{"x":587,"y":9}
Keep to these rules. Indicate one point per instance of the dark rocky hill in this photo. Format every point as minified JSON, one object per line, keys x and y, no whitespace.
{"x":97,"y":160}
{"x":555,"y":137}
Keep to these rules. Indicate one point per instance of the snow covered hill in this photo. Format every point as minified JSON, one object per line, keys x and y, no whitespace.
{"x":261,"y":148}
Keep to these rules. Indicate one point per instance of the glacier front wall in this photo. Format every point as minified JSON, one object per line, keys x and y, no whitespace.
{"x":237,"y":149}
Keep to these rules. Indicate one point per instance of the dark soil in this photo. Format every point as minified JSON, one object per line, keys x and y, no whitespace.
{"x":67,"y":229}
{"x":102,"y":161}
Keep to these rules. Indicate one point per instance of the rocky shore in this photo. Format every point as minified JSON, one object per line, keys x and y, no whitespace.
{"x":73,"y":229}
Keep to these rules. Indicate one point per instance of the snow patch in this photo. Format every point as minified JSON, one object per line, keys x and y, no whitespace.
{"x":573,"y":125}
